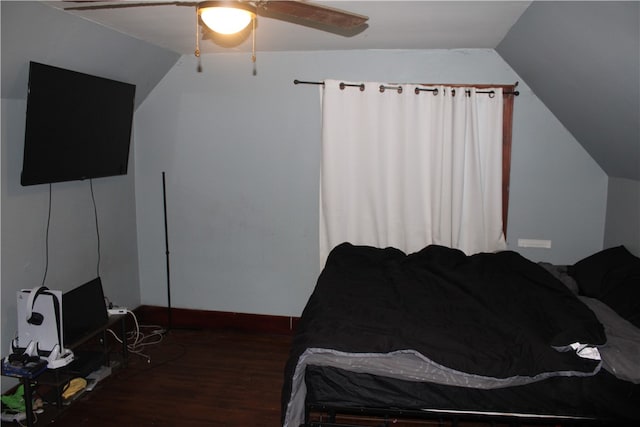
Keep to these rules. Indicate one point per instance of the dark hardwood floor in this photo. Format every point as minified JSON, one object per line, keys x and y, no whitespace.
{"x":194,"y":378}
{"x":199,"y":378}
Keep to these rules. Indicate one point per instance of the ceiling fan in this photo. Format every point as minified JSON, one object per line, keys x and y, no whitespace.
{"x":230,"y":17}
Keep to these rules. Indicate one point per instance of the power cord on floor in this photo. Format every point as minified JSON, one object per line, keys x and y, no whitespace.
{"x":138,"y":340}
{"x":35,"y":419}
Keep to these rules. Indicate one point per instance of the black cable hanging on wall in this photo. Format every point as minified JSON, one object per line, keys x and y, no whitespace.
{"x":46,"y":241}
{"x":95,"y":216}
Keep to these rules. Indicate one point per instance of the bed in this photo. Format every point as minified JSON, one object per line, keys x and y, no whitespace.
{"x":438,"y":333}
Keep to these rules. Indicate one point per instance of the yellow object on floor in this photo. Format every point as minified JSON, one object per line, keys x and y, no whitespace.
{"x":74,"y":386}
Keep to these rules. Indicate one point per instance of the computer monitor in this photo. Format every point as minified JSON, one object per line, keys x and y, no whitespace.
{"x":84,"y":310}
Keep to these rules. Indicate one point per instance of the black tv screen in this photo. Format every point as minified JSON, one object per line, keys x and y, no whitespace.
{"x":78,"y":126}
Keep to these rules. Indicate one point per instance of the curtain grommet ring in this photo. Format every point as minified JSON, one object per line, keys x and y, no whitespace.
{"x":344,"y":85}
{"x":417,"y":90}
{"x":397,"y":88}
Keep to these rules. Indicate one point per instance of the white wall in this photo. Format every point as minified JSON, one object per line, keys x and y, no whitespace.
{"x":558,"y":192}
{"x":241,"y":155}
{"x":623,"y":214}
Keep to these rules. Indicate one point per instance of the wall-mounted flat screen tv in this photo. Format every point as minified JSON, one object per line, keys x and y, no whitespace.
{"x":78,"y":126}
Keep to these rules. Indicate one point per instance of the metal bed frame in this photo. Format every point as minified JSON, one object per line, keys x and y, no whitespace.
{"x":329,"y":416}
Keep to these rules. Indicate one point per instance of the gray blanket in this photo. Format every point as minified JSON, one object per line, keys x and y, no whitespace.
{"x":621,"y":354}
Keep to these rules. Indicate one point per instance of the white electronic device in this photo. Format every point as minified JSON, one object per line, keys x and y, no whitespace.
{"x":116,"y":311}
{"x":59,"y":358}
{"x":40,"y":318}
{"x":40,"y":326}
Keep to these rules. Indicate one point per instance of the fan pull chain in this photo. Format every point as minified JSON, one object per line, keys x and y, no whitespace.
{"x":197,"y":52}
{"x":253,"y":46}
{"x":253,"y":36}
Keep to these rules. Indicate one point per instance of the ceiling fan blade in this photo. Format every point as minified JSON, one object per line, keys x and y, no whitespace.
{"x":279,"y":9}
{"x":123,"y":5}
{"x":313,"y":13}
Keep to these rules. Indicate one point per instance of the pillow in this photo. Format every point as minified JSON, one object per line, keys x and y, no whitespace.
{"x":613,"y":277}
{"x":622,"y":292}
{"x":592,"y":273}
{"x":561,"y":272}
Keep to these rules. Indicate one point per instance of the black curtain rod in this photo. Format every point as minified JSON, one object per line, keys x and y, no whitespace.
{"x":382,"y":88}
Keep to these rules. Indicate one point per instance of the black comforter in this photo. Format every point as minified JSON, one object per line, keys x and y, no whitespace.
{"x":492,"y":315}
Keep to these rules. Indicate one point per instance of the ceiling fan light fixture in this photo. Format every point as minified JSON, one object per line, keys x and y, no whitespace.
{"x":226,"y":17}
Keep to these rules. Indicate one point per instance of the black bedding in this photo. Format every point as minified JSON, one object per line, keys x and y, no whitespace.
{"x":494,"y":322}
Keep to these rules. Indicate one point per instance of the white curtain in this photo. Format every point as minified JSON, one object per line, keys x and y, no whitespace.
{"x":406,"y":170}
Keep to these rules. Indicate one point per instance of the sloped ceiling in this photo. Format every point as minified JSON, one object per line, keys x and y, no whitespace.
{"x":582,"y":59}
{"x":32,"y":31}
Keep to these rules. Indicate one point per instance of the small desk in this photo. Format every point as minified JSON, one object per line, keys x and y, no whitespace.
{"x":113,"y":320}
{"x":58,"y":379}
{"x":25,"y":378}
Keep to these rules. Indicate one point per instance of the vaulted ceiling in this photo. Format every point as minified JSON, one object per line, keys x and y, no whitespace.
{"x":582,"y":59}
